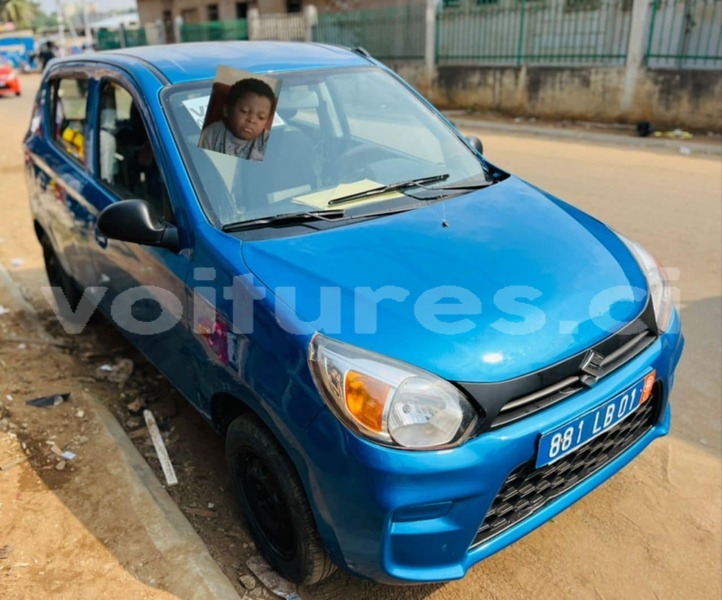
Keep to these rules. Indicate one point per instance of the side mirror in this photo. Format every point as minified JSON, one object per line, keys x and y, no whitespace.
{"x":136,"y":222}
{"x":476,"y":144}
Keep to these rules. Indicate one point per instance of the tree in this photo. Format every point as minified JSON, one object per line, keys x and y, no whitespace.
{"x":20,"y":12}
{"x":44,"y":21}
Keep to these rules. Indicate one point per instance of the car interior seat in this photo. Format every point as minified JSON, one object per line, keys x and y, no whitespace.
{"x":287,"y":169}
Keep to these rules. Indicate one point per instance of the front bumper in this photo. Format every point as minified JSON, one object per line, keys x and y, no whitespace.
{"x":398,"y":516}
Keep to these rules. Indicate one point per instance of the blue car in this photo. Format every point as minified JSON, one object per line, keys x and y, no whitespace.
{"x":415,"y":358}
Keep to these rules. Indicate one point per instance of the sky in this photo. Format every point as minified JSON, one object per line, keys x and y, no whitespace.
{"x":51,"y":6}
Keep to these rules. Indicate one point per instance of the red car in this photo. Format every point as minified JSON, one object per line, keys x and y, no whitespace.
{"x":9,"y":81}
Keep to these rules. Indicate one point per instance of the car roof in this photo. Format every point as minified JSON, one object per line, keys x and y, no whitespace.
{"x":199,"y":60}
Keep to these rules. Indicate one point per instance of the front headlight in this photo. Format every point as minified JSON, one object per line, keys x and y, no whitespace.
{"x":656,"y":280}
{"x":387,"y":400}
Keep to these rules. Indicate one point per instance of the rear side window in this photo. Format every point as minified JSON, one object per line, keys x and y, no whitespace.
{"x":69,"y":110}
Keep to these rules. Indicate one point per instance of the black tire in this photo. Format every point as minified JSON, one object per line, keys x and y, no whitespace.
{"x":271,"y":497}
{"x":60,"y":281}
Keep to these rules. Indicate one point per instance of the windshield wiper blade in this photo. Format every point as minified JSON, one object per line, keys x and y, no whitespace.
{"x":285,"y":219}
{"x":391,"y":187}
{"x":445,"y":191}
{"x":468,"y":186}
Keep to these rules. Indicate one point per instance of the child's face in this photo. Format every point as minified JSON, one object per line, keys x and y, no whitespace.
{"x":248,"y":116}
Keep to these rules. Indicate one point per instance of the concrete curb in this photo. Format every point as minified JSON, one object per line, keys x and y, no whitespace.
{"x":581,"y":135}
{"x":167,"y":526}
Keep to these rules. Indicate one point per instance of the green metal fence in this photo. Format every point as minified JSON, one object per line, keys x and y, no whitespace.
{"x":111,"y":40}
{"x":685,"y":34}
{"x":108,"y":40}
{"x":215,"y":30}
{"x":549,"y":32}
{"x":393,"y":33}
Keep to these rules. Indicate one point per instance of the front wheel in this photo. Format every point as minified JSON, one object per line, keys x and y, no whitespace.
{"x":272,"y":499}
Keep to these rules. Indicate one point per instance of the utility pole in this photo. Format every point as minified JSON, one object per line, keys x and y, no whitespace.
{"x":61,"y":29}
{"x":86,"y":25}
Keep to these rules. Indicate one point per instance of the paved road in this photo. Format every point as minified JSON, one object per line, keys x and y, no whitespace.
{"x":654,"y":530}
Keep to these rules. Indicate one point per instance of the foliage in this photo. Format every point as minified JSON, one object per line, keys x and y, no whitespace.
{"x":20,"y":12}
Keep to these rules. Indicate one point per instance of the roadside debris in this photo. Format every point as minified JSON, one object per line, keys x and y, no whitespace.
{"x":3,"y":310}
{"x":201,"y":512}
{"x":5,"y":551}
{"x":248,"y":581}
{"x":679,"y":134}
{"x":160,"y":448}
{"x":55,"y":450}
{"x":17,"y":262}
{"x":61,"y":465}
{"x":13,"y":463}
{"x":138,"y":433}
{"x":64,"y":454}
{"x":272,"y":580}
{"x":48,"y":401}
{"x":11,"y":339}
{"x":644,"y":129}
{"x":117,"y":373}
{"x":685,"y":150}
{"x":136,"y":407}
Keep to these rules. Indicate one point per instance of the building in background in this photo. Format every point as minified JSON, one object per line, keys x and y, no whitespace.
{"x":351,"y":5}
{"x":208,"y":11}
{"x":205,"y":11}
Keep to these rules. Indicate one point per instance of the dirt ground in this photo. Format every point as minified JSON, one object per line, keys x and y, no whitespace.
{"x":653,"y":531}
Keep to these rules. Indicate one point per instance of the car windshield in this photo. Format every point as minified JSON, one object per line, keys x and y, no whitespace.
{"x":338,"y":138}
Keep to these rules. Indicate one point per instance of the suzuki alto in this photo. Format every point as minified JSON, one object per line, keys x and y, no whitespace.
{"x":415,"y":358}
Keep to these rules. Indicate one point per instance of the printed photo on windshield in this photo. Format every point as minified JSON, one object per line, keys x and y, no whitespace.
{"x":239,"y":114}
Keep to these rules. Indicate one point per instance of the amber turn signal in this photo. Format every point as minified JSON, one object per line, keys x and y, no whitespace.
{"x":648,"y":386}
{"x":366,"y":398}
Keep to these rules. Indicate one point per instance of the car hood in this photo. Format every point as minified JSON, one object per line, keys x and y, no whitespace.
{"x":485,"y":287}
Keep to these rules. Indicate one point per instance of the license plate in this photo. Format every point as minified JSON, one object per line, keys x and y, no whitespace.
{"x":563,"y":440}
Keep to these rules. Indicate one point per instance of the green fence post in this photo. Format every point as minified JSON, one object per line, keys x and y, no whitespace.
{"x":655,"y":4}
{"x":520,"y":47}
{"x":437,"y":33}
{"x":430,"y":36}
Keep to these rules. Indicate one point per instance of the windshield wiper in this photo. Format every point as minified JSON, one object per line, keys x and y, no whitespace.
{"x":391,"y":187}
{"x":468,"y":186}
{"x":441,"y":191}
{"x":285,"y":219}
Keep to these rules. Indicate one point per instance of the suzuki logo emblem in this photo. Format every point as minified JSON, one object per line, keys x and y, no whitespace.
{"x":591,"y":368}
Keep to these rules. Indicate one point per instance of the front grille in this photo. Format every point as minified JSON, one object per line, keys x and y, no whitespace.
{"x":528,"y":489}
{"x":521,"y":407}
{"x":504,"y":402}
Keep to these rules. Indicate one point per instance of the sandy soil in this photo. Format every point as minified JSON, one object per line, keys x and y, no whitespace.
{"x":653,"y":531}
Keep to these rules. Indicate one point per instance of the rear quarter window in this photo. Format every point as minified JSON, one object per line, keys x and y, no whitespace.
{"x":69,"y":109}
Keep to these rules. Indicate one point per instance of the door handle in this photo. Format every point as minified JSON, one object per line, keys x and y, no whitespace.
{"x":101,"y":239}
